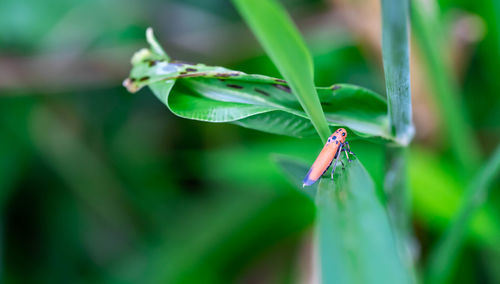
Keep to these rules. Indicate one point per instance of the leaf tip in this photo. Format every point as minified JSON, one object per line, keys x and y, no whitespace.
{"x":153,"y":43}
{"x":130,"y":84}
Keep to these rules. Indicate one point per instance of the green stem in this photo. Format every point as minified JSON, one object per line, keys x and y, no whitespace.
{"x":395,"y":53}
{"x":399,"y":203}
{"x":442,"y":260}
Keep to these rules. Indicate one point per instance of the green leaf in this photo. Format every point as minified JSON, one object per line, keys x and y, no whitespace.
{"x":155,"y":46}
{"x":282,"y":42}
{"x":11,"y":165}
{"x":217,"y":94}
{"x":429,"y":33}
{"x":295,"y":172}
{"x":355,"y":239}
{"x":446,"y":253}
{"x":436,"y":198}
{"x":219,"y":237}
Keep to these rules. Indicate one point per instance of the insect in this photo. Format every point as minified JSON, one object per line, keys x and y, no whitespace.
{"x":331,"y":151}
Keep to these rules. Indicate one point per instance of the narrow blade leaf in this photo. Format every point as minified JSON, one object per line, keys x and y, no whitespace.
{"x":295,"y":172}
{"x":282,"y":42}
{"x":355,"y":240}
{"x":446,"y":254}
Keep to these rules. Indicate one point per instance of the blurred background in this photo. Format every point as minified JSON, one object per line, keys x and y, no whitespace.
{"x":100,"y":185}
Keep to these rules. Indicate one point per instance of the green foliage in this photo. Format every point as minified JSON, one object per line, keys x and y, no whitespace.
{"x":353,"y":228}
{"x":436,"y":198}
{"x":282,"y":42}
{"x":354,"y":231}
{"x":217,"y":94}
{"x":230,"y":237}
{"x":98,"y":185}
{"x":444,"y":257}
{"x":428,"y":32}
{"x":294,"y":170}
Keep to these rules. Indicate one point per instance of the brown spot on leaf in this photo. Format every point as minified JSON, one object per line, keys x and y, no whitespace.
{"x":152,"y":63}
{"x":280,"y":80}
{"x":191,"y":69}
{"x":185,"y":75}
{"x":225,"y":75}
{"x":145,"y":78}
{"x":283,"y":88}
{"x":234,"y":86}
{"x":262,"y":92}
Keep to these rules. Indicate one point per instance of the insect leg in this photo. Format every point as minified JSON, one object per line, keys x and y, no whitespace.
{"x":345,"y":151}
{"x":336,"y":160}
{"x":348,"y":149}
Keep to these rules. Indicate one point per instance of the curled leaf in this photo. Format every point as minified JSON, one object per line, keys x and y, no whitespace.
{"x":218,"y":94}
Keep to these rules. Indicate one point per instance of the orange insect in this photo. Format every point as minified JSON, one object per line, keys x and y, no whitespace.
{"x":331,"y":151}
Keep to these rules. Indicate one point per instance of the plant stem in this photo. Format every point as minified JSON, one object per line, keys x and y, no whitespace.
{"x":399,"y":203}
{"x":427,"y":31}
{"x":395,"y":53}
{"x":442,"y":260}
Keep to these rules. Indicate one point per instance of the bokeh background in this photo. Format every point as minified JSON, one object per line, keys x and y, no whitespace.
{"x":100,"y":185}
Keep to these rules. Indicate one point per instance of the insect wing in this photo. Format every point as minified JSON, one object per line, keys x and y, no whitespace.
{"x":322,"y":163}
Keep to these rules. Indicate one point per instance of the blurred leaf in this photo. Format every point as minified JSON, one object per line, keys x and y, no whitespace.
{"x":429,"y":35}
{"x":13,"y":156}
{"x":153,"y":43}
{"x":437,"y":196}
{"x":15,"y":144}
{"x":11,"y":166}
{"x":282,"y":42}
{"x":80,"y":168}
{"x":446,"y":253}
{"x":295,"y":171}
{"x":217,"y":94}
{"x":264,"y":173}
{"x":218,"y":236}
{"x":356,"y":241}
